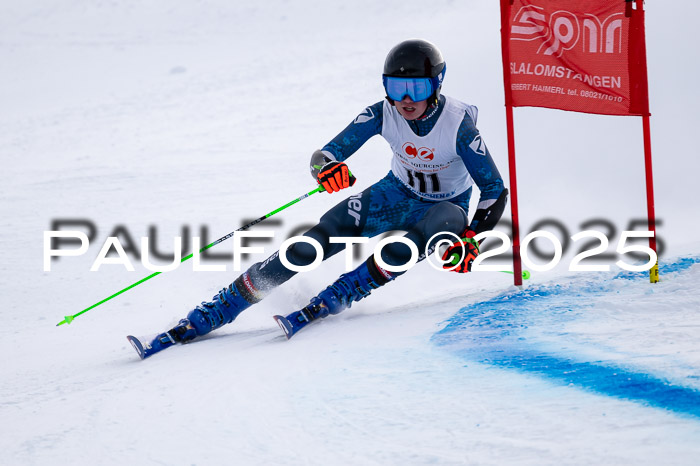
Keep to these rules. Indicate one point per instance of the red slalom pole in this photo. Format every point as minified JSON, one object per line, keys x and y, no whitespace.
{"x":505,"y":50}
{"x":651,"y":214}
{"x":517,"y":263}
{"x":649,"y":173}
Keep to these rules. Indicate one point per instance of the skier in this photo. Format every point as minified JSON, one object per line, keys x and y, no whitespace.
{"x":438,"y":154}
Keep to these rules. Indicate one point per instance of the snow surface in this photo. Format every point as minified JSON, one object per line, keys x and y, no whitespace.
{"x":205,"y":113}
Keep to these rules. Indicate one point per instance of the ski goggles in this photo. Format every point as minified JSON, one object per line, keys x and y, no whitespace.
{"x":416,"y":88}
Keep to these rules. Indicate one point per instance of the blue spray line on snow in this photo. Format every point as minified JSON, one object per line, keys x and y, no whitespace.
{"x":681,"y":264}
{"x":496,"y":332}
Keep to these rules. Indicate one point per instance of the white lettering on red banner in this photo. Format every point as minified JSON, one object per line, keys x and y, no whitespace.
{"x":574,"y":55}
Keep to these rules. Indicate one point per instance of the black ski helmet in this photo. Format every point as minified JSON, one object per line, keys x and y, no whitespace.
{"x":416,"y":58}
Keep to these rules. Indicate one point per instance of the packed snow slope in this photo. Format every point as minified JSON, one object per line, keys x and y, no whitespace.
{"x":167,"y":119}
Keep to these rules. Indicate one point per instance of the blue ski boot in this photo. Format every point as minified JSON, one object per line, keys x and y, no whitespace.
{"x":348,"y":288}
{"x":221,"y":310}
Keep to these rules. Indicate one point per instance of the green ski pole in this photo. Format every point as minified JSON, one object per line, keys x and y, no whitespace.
{"x":454,"y":260}
{"x":70,"y":319}
{"x":526,"y":273}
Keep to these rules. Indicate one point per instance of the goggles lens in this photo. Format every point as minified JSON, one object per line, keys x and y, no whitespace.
{"x":416,"y":88}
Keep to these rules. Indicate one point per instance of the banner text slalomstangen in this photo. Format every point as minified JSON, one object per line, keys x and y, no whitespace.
{"x":577,"y":55}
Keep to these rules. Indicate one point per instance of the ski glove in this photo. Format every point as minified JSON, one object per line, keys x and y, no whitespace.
{"x":462,"y":252}
{"x":335,"y":176}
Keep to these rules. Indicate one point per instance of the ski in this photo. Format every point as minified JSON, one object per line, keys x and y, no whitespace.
{"x":297,"y":320}
{"x":148,"y":346}
{"x":291,"y":324}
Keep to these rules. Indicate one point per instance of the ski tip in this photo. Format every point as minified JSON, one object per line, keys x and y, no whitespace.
{"x":285,"y":326}
{"x":137,"y":345}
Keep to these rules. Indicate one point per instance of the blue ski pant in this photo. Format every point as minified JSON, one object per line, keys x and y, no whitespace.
{"x":385,"y":206}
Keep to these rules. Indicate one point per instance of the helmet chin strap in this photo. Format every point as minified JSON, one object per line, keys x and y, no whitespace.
{"x":430,"y":109}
